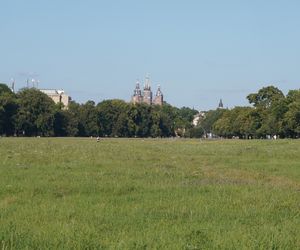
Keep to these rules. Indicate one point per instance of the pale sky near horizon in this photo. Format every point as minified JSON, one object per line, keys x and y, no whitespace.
{"x":199,"y":51}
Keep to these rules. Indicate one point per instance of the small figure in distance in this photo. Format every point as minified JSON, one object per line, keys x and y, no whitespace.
{"x":98,"y":138}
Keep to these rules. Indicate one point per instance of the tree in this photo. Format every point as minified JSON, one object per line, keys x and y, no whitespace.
{"x":66,"y":122}
{"x":120,"y":128}
{"x":195,"y":132}
{"x":8,"y":110}
{"x":271,"y":105}
{"x":265,"y":97}
{"x":4,"y":89}
{"x":166,"y":124}
{"x":291,"y":121}
{"x":36,"y":113}
{"x":239,"y":121}
{"x":88,"y":119}
{"x":108,"y":113}
{"x":210,"y":118}
{"x":143,"y":120}
{"x":187,"y":114}
{"x":222,"y":125}
{"x":131,"y":122}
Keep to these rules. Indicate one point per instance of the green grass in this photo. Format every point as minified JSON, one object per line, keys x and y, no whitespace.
{"x":149,"y":194}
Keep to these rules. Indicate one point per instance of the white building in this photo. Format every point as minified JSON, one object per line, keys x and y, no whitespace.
{"x":58,"y":96}
{"x":198,"y":117}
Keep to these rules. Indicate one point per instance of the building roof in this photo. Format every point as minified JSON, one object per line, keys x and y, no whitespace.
{"x":52,"y":91}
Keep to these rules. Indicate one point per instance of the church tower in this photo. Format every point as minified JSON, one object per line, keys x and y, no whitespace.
{"x":147,"y":98}
{"x":220,"y":106}
{"x":159,"y":97}
{"x":137,"y":94}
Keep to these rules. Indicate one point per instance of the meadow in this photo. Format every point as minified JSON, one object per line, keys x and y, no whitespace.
{"x":75,"y":193}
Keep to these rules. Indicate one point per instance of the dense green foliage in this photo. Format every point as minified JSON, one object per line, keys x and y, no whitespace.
{"x":149,"y":194}
{"x":35,"y":113}
{"x":8,"y":110}
{"x":32,"y":113}
{"x":272,"y":114}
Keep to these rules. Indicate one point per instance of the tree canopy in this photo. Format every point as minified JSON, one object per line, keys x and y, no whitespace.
{"x":32,"y":113}
{"x":272,"y":113}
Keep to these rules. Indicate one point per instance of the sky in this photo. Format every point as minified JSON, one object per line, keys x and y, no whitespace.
{"x":198,"y":51}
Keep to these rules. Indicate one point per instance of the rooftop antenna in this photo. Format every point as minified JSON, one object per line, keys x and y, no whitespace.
{"x":33,"y":82}
{"x":27,"y":83}
{"x":12,"y":85}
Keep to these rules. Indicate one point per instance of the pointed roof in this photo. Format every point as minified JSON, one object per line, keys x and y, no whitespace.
{"x":221,"y":104}
{"x":137,"y":90}
{"x":158,"y":92}
{"x":147,"y":83}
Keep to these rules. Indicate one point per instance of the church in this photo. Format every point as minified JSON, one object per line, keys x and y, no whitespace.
{"x":146,"y":96}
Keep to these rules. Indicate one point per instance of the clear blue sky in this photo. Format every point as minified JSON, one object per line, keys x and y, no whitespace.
{"x":199,"y":51}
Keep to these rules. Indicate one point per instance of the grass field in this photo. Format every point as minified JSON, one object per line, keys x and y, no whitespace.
{"x":149,"y":194}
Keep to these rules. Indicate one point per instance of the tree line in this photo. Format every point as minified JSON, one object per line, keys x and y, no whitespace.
{"x":272,"y":113}
{"x":32,"y":113}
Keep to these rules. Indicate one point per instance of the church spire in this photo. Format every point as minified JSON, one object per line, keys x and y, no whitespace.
{"x":137,"y":93}
{"x":137,"y":90}
{"x":221,"y":104}
{"x":147,"y":83}
{"x":158,"y":92}
{"x":159,"y":98}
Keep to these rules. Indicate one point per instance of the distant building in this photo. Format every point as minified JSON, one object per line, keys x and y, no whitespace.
{"x":146,"y":96}
{"x":58,"y":96}
{"x":159,"y":97}
{"x":198,"y":117}
{"x":221,"y":106}
{"x":137,"y":94}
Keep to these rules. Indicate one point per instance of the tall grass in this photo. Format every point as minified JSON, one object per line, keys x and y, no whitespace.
{"x":149,"y":194}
